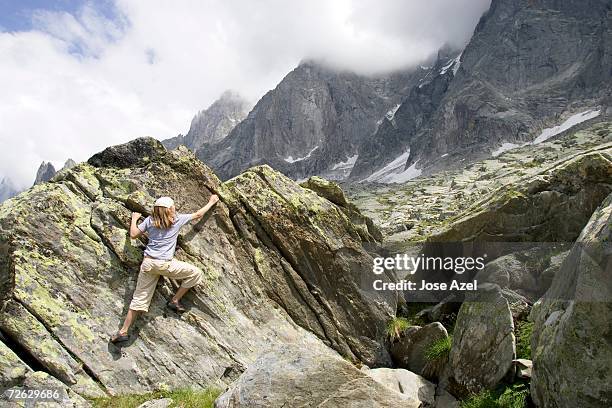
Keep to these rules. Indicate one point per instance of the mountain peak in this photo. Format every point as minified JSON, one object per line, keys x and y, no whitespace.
{"x":46,"y":170}
{"x":69,"y":164}
{"x":213,"y":123}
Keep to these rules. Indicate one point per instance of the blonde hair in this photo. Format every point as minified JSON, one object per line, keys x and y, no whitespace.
{"x":162,"y":217}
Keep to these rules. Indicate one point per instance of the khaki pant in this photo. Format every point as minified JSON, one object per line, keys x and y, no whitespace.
{"x":152,"y":269}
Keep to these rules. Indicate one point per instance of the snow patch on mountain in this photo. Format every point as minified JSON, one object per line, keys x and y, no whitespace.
{"x":569,"y":123}
{"x":391,"y":113}
{"x":550,"y":132}
{"x":505,"y":147}
{"x":290,"y":159}
{"x":394,"y":171}
{"x":346,"y":165}
{"x":454,"y":63}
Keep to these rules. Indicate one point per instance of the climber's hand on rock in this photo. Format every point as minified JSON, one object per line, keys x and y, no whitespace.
{"x":213,"y":199}
{"x":136,"y":215}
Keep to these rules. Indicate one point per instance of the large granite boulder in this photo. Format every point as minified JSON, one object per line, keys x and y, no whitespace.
{"x":527,"y":272}
{"x":297,"y":377}
{"x":281,"y":265}
{"x":483,"y":343}
{"x":409,"y":350}
{"x":405,"y":382}
{"x":327,"y":189}
{"x":571,"y":342}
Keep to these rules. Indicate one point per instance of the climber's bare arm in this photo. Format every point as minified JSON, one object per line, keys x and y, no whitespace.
{"x":135,"y":232}
{"x":200,"y":213}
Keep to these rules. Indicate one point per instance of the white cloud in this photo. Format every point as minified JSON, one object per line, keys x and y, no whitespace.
{"x":77,"y":83}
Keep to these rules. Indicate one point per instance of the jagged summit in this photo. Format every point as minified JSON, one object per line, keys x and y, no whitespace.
{"x":311,"y":123}
{"x":213,"y":123}
{"x":45,"y":172}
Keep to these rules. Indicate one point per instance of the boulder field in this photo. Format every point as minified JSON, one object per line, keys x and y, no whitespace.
{"x":286,"y":315}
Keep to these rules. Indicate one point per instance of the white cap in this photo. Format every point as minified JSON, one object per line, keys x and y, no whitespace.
{"x":164,"y":202}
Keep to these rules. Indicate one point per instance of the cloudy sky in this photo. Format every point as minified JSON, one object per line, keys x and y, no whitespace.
{"x":77,"y":76}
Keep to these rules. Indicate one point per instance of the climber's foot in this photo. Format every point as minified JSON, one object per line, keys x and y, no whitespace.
{"x":119,"y":337}
{"x":176,"y":306}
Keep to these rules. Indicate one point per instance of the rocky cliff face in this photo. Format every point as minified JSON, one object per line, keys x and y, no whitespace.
{"x":311,"y":123}
{"x":282,"y":265}
{"x":377,"y":155}
{"x":214,"y":123}
{"x":530,"y":70}
{"x":529,"y":65}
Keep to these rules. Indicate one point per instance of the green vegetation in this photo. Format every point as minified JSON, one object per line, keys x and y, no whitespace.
{"x":514,"y":396}
{"x":440,"y":349}
{"x":409,"y":310}
{"x":186,"y":398}
{"x":523,"y":339}
{"x":396,"y":326}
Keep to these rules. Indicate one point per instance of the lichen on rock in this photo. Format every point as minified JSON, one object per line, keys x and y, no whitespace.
{"x":281,"y":265}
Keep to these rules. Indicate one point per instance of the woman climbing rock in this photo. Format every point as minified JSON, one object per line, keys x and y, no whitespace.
{"x":162,"y":228}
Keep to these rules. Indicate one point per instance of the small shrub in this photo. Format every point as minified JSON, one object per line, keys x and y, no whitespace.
{"x":483,"y":400}
{"x":439,"y":349}
{"x":514,"y":396}
{"x":396,"y":327}
{"x":523,"y":339}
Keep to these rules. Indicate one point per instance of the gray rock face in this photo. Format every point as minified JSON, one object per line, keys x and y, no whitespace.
{"x":404,"y":382}
{"x":313,"y":121}
{"x":529,"y":273}
{"x":214,"y":123}
{"x":397,"y":132}
{"x":409,"y":350}
{"x":446,"y":400}
{"x":13,"y":371}
{"x":528,"y":66}
{"x":332,"y":192}
{"x":297,"y":377}
{"x":483,"y":343}
{"x":31,"y":334}
{"x":66,"y":398}
{"x":45,"y":172}
{"x":573,"y":321}
{"x":281,"y":265}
